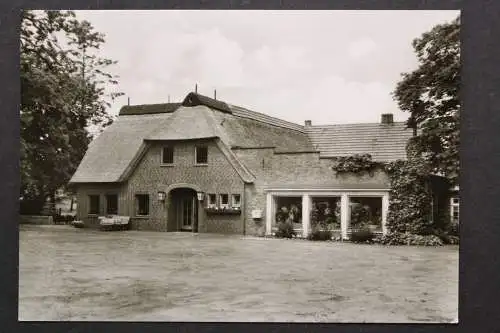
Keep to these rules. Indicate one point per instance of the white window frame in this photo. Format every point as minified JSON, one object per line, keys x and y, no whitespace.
{"x":107,"y":195}
{"x":161,"y":156}
{"x":211,"y":204}
{"x":233,"y":204}
{"x":220,"y":200}
{"x":136,"y":199}
{"x":196,"y":155}
{"x":90,"y":204}
{"x":454,"y":207}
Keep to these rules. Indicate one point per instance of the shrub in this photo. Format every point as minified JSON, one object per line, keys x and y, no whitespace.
{"x":447,"y":238}
{"x":410,"y":197}
{"x":453,"y":240}
{"x":285,"y":230}
{"x":320,"y":235}
{"x":410,"y":239}
{"x":454,"y":229}
{"x":362,"y":236}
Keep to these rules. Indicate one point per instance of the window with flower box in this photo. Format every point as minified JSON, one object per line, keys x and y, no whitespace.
{"x":235,"y":201}
{"x":224,"y":200}
{"x":211,"y":200}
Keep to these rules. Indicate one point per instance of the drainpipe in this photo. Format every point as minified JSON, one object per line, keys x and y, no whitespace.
{"x":242,"y":209}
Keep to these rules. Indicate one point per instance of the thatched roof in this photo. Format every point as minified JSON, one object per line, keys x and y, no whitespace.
{"x":194,"y":99}
{"x":109,"y":155}
{"x":384,"y":142}
{"x":148,"y":109}
{"x":112,"y":155}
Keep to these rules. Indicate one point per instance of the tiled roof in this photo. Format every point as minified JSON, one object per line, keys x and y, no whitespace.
{"x":385,"y":142}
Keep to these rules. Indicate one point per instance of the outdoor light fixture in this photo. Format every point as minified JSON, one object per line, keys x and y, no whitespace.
{"x":200,"y":195}
{"x":161,"y":196}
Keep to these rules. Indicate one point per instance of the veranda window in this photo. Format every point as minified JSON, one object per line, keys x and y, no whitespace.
{"x":289,"y":209}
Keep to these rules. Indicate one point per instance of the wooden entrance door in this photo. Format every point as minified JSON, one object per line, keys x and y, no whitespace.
{"x":187,"y":213}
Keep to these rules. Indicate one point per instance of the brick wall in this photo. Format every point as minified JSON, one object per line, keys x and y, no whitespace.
{"x":82,"y":195}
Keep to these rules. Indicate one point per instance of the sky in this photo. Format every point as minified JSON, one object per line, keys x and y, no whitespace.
{"x":329,"y":67}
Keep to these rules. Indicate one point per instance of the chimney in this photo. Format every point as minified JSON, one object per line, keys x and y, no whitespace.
{"x":387,"y":118}
{"x":215,"y":93}
{"x":128,"y":100}
{"x":196,"y":88}
{"x":307,"y":123}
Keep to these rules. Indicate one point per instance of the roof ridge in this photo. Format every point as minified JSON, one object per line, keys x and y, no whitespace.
{"x":243,"y":112}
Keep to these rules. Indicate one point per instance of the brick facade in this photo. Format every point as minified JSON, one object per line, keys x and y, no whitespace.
{"x":218,"y":176}
{"x":149,"y":177}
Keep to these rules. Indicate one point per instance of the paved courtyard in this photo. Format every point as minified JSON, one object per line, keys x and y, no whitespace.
{"x":80,"y":274}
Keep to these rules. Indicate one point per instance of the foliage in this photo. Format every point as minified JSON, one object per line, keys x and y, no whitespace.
{"x":282,"y":215}
{"x":410,"y":239}
{"x":357,"y":163}
{"x":320,"y":235}
{"x":363,"y":235}
{"x":360,"y":216}
{"x":454,"y":229}
{"x":323,"y":216}
{"x":410,"y":197}
{"x":285,"y":230}
{"x":447,"y":238}
{"x":431,"y":95}
{"x":62,"y":219}
{"x":62,"y":93}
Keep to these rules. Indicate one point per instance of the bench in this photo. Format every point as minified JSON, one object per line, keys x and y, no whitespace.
{"x":114,"y":222}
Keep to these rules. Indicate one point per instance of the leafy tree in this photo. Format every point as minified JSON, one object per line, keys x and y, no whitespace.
{"x":431,"y":94}
{"x":62,"y":93}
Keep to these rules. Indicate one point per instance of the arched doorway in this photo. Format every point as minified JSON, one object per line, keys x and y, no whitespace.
{"x":184,"y":210}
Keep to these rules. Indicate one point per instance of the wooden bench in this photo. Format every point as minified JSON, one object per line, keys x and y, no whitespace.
{"x":114,"y":222}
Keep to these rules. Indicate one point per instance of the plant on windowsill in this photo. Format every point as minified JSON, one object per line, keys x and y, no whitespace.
{"x":223,"y":210}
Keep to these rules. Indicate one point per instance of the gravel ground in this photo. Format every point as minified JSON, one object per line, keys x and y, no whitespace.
{"x":79,"y":274}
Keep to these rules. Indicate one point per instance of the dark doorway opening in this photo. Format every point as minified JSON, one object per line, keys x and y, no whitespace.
{"x":184,"y":210}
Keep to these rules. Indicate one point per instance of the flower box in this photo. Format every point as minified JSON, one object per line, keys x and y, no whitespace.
{"x":223,"y":211}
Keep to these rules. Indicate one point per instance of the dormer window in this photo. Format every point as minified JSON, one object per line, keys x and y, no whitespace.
{"x":167,"y":155}
{"x":201,"y":155}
